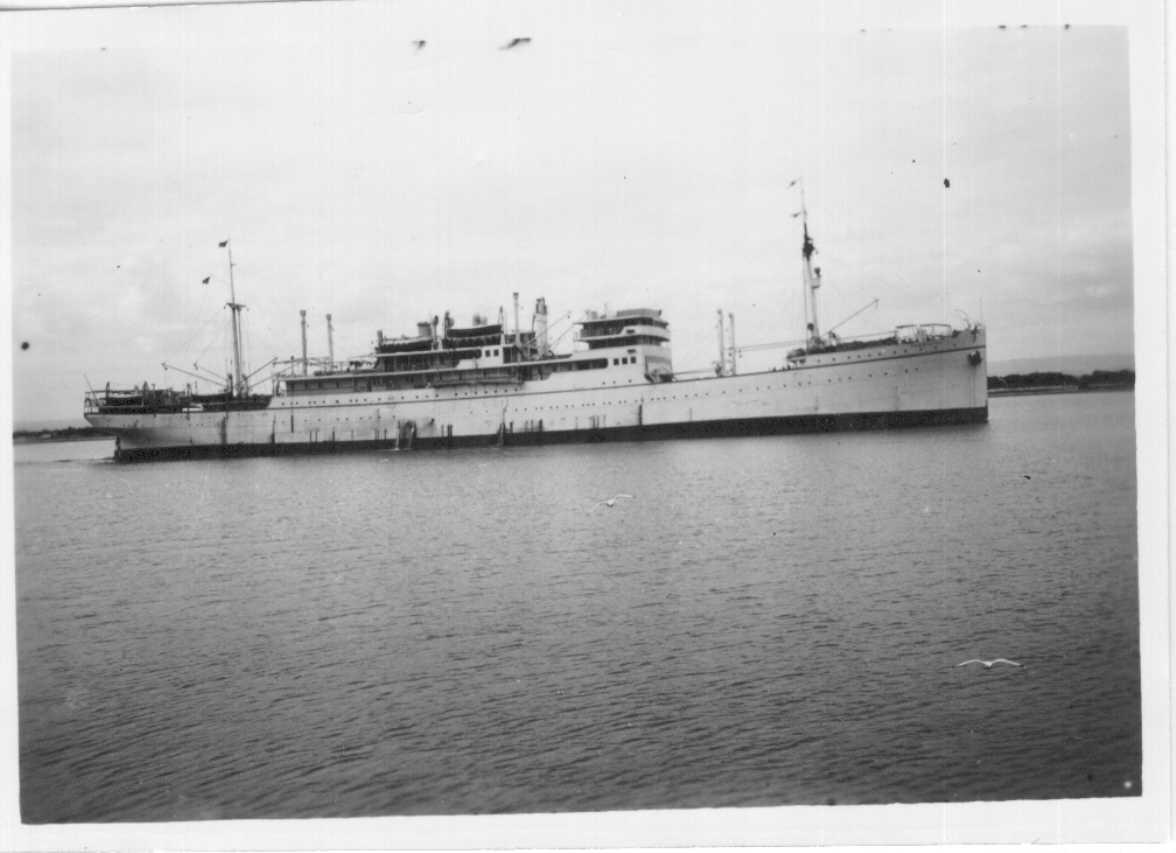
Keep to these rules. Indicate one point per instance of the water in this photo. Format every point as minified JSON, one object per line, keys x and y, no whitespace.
{"x":769,"y":621}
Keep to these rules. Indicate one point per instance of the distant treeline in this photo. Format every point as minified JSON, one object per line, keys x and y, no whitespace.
{"x":65,"y":434}
{"x":1055,"y":379}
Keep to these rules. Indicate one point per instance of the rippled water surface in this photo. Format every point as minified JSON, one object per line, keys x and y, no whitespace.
{"x":768,"y":621}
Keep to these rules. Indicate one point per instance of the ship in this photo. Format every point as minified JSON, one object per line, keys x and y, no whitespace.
{"x":488,"y":384}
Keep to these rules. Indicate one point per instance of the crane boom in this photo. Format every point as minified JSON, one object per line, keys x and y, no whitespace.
{"x":872,"y":303}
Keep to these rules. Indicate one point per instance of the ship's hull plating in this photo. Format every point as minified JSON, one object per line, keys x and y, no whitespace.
{"x":943,"y":381}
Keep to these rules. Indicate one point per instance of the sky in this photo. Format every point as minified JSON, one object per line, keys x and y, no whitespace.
{"x":389,"y":162}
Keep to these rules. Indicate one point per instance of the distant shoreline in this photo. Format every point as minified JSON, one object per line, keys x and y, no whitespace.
{"x":1055,"y":389}
{"x":1056,"y":382}
{"x":39,"y":436}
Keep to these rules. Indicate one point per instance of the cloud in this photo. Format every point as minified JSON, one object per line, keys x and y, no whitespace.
{"x":649,"y":163}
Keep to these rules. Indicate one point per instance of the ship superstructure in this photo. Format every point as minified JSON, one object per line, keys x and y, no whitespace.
{"x":487,"y":383}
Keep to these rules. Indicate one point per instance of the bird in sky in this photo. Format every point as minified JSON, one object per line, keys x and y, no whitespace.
{"x":517,"y":42}
{"x":611,"y":502}
{"x":420,"y":43}
{"x":988,"y":664}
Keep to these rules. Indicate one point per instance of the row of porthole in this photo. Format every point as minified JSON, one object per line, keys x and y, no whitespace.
{"x":571,"y":405}
{"x":627,"y":359}
{"x":687,"y":396}
{"x":821,"y":361}
{"x":471,"y":394}
{"x":293,"y":403}
{"x":487,"y":392}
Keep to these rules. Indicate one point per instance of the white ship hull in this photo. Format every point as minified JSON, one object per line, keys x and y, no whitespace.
{"x":941,"y":380}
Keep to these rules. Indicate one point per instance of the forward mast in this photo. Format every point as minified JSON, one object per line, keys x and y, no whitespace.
{"x":810,"y":277}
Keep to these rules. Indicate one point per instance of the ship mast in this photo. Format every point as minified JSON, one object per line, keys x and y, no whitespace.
{"x":811,"y":277}
{"x":240,"y":386}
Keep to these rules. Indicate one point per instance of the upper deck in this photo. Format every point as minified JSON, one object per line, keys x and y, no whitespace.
{"x":442,"y":354}
{"x":626,"y":327}
{"x":904,"y":339}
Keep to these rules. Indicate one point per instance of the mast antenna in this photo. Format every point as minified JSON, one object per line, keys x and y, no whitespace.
{"x":721,"y":364}
{"x":305,"y":362}
{"x":330,"y":344}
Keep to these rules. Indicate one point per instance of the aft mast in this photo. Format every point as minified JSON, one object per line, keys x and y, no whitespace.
{"x":239,"y":385}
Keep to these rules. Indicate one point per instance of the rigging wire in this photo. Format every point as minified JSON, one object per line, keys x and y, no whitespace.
{"x":202,"y":330}
{"x":555,"y":341}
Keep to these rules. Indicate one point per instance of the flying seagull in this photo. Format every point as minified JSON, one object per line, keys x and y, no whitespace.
{"x":420,"y":44}
{"x":989,"y":663}
{"x":516,"y":42}
{"x":610,"y":502}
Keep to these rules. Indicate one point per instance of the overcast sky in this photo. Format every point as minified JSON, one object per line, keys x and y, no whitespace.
{"x":628,"y":154}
